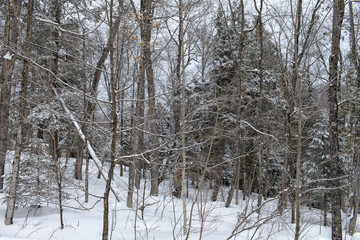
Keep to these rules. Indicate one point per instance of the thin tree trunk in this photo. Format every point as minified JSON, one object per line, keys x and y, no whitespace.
{"x":356,"y":155}
{"x":97,"y":75}
{"x":59,"y":179}
{"x":325,"y":209}
{"x":131,"y":183}
{"x":176,"y":82}
{"x":260,"y":105}
{"x":356,"y":197}
{"x":105,"y":234}
{"x":87,"y":178}
{"x":122,"y":127}
{"x":139,"y":138}
{"x":183,"y":109}
{"x":139,"y":121}
{"x":298,"y":166}
{"x":297,"y":82}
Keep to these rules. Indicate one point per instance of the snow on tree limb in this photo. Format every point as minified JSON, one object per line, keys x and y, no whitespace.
{"x":258,"y":131}
{"x":88,"y":145}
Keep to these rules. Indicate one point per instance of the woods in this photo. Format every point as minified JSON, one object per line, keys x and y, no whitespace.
{"x":243,"y":104}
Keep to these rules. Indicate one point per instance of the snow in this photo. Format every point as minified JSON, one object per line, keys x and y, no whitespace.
{"x":162,"y":217}
{"x":8,"y":56}
{"x":356,"y":236}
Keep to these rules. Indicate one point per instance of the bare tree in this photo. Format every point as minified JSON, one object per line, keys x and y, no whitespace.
{"x":113,"y":30}
{"x":9,"y":47}
{"x":334,"y":75}
{"x":147,"y":11}
{"x":105,"y":234}
{"x":356,"y":155}
{"x":22,"y":114}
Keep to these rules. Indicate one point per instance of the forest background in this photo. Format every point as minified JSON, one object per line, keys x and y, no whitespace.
{"x":220,"y":97}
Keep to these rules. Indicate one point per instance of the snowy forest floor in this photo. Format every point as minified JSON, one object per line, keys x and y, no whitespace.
{"x":162,"y":217}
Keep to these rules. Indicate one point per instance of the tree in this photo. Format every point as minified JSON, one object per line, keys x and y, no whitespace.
{"x":8,"y":51}
{"x":22,"y":115}
{"x":354,"y":56}
{"x":114,"y":124}
{"x":334,"y":75}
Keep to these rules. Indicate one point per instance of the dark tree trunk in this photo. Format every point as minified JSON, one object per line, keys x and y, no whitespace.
{"x":335,"y":166}
{"x":11,"y":34}
{"x":234,"y":182}
{"x":105,"y":234}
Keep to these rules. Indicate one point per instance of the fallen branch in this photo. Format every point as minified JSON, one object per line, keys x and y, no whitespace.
{"x":87,"y":143}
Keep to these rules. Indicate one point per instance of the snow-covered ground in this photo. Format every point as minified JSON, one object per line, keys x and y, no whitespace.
{"x":162,"y":217}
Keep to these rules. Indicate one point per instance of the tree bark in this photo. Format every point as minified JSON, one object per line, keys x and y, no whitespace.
{"x":95,"y":82}
{"x":176,"y":108}
{"x":335,"y":166}
{"x":11,"y":35}
{"x":147,"y":9}
{"x":183,"y":109}
{"x":356,"y":155}
{"x":260,"y":104}
{"x":22,"y":115}
{"x":234,"y":182}
{"x":105,"y":234}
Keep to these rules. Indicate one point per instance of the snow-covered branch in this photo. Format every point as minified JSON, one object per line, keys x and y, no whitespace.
{"x":87,"y":143}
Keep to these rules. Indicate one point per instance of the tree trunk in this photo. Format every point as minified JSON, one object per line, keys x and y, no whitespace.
{"x":97,"y":75}
{"x":183,"y":113}
{"x":298,"y":166}
{"x":139,"y":124}
{"x":79,"y":159}
{"x":296,"y":79}
{"x":131,"y":182}
{"x":335,"y":166}
{"x":356,"y":155}
{"x":22,"y":115}
{"x":234,"y":182}
{"x":260,"y":105}
{"x":80,"y":143}
{"x":356,"y":197}
{"x":11,"y":33}
{"x":147,"y":9}
{"x":105,"y":234}
{"x":87,"y":178}
{"x":176,"y":108}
